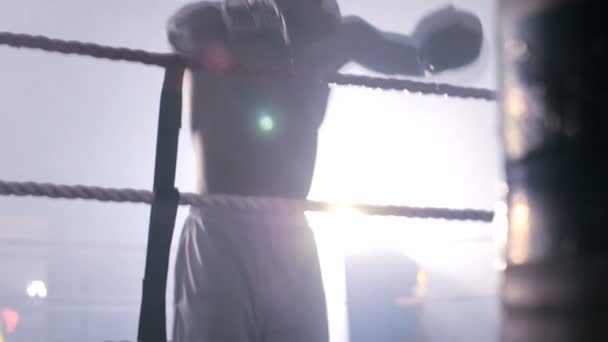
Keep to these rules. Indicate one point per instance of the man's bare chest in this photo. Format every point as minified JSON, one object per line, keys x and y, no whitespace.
{"x":239,"y":102}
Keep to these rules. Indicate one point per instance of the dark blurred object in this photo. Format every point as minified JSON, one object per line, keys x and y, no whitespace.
{"x":554,"y":79}
{"x":449,"y":38}
{"x":375,"y":282}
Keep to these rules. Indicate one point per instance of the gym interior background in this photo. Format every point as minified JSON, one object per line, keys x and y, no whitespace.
{"x":71,"y":270}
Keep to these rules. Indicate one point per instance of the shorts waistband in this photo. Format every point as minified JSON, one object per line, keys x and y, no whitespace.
{"x":265,"y":216}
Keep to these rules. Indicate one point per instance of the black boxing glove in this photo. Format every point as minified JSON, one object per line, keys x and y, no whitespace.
{"x":194,"y":26}
{"x":448,"y":38}
{"x":246,"y":19}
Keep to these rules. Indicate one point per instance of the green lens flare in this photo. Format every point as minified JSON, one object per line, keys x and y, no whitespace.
{"x":266,"y":123}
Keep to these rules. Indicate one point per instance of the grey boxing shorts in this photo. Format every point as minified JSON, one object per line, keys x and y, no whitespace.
{"x":248,"y":276}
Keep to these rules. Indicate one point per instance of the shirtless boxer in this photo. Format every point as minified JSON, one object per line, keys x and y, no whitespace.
{"x":246,"y":275}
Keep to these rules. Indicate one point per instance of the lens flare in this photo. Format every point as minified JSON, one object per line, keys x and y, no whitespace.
{"x":266,"y":123}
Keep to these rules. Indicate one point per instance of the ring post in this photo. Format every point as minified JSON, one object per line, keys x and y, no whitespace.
{"x":152,"y":319}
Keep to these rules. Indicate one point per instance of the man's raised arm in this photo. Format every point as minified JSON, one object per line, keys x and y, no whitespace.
{"x":384,"y":52}
{"x":445,"y":39}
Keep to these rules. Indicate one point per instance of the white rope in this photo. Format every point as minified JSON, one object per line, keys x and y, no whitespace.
{"x":234,"y":202}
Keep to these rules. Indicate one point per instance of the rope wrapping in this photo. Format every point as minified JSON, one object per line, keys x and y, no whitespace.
{"x":101,"y":194}
{"x":172,"y":60}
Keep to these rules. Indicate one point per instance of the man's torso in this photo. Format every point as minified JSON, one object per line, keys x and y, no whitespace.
{"x":259,"y":133}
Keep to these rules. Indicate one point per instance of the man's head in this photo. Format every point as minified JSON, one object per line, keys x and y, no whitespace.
{"x":308,"y":19}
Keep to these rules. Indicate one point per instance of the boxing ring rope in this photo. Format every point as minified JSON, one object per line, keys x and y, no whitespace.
{"x":231,"y":201}
{"x":172,"y":60}
{"x":238,"y":202}
{"x":165,"y":198}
